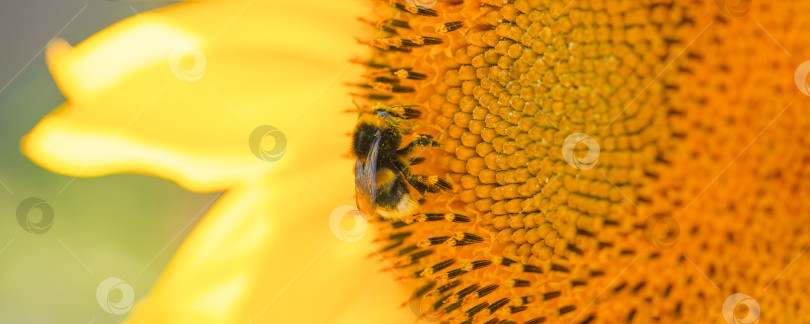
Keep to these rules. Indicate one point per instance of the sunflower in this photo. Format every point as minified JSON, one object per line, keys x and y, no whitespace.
{"x":611,"y":161}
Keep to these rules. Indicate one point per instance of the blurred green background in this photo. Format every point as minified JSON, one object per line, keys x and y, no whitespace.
{"x":124,"y":226}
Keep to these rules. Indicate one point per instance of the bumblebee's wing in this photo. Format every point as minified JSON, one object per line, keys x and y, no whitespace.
{"x":365,"y":172}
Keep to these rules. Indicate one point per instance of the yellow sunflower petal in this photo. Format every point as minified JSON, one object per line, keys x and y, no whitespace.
{"x":176,"y":93}
{"x":255,"y":71}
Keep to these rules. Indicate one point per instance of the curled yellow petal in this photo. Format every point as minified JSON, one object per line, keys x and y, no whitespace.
{"x":177,"y":93}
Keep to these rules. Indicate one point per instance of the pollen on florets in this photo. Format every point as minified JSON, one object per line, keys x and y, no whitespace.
{"x":538,"y":230}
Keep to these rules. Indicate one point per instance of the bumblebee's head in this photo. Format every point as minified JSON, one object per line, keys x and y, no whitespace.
{"x":363,"y":138}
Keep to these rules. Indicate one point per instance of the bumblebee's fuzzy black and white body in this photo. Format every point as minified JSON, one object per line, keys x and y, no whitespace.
{"x":382,"y":172}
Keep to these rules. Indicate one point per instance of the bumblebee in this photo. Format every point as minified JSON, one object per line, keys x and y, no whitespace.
{"x":382,"y":172}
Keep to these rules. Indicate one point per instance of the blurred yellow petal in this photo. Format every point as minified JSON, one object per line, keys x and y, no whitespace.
{"x":176,"y":93}
{"x":274,"y":77}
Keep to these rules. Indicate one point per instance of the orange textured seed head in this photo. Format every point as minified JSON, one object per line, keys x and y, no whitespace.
{"x":618,"y":161}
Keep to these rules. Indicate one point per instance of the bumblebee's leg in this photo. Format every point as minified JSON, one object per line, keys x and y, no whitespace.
{"x":419,"y":141}
{"x":399,"y":111}
{"x":431,"y":184}
{"x":416,"y":160}
{"x":405,"y":111}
